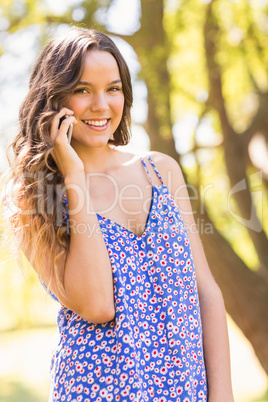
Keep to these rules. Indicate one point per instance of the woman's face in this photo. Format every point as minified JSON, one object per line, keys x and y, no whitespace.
{"x":97,"y":101}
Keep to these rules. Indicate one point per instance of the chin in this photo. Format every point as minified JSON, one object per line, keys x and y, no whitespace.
{"x":98,"y":142}
{"x":92,"y":143}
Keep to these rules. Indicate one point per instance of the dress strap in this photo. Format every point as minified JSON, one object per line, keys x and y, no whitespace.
{"x":155,"y":169}
{"x":147,"y":171}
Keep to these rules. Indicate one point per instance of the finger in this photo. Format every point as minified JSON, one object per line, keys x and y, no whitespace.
{"x":65,"y":125}
{"x":63,"y":112}
{"x":56,"y":121}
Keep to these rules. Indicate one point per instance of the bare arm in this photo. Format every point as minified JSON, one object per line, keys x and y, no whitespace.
{"x":215,"y":335}
{"x":86,"y":274}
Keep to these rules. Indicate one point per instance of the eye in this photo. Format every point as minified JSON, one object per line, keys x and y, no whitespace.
{"x":114,"y":89}
{"x":80,"y":91}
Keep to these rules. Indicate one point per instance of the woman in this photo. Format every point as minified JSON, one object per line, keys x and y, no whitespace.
{"x":106,"y":232}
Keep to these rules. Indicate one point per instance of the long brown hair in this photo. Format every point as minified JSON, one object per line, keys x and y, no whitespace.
{"x":38,"y":222}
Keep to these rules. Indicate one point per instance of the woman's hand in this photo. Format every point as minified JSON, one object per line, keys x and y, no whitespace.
{"x":63,"y":153}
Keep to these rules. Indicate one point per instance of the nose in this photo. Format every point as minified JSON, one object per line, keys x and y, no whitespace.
{"x":99,"y":102}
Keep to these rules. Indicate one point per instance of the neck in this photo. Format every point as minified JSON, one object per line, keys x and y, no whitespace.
{"x":99,"y":159}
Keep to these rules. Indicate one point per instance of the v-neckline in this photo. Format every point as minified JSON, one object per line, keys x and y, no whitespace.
{"x":147,"y":224}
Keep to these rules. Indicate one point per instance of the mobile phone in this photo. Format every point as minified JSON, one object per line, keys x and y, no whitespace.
{"x":70,"y":129}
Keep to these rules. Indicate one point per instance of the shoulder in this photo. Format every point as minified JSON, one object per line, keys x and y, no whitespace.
{"x":169,"y":170}
{"x":164,"y":161}
{"x":173,"y":179}
{"x":160,"y":157}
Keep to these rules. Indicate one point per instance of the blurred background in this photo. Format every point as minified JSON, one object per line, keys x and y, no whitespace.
{"x":200,"y":76}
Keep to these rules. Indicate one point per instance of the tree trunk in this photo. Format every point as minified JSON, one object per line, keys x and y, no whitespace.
{"x":151,"y":45}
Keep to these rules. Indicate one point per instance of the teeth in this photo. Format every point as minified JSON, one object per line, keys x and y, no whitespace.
{"x":97,"y":123}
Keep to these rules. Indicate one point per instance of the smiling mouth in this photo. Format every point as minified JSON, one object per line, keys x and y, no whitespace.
{"x":96,"y":123}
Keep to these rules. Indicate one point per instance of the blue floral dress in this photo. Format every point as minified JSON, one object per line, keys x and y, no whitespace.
{"x":152,"y":351}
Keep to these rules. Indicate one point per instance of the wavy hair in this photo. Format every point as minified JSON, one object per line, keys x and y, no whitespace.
{"x":38,"y":221}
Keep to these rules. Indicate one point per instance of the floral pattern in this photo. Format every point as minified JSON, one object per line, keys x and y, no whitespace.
{"x":152,"y":351}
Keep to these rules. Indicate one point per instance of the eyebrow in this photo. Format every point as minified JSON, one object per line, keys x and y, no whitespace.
{"x":90,"y":84}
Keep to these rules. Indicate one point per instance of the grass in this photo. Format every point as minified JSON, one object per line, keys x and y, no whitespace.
{"x":15,"y":391}
{"x":263,"y":398}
